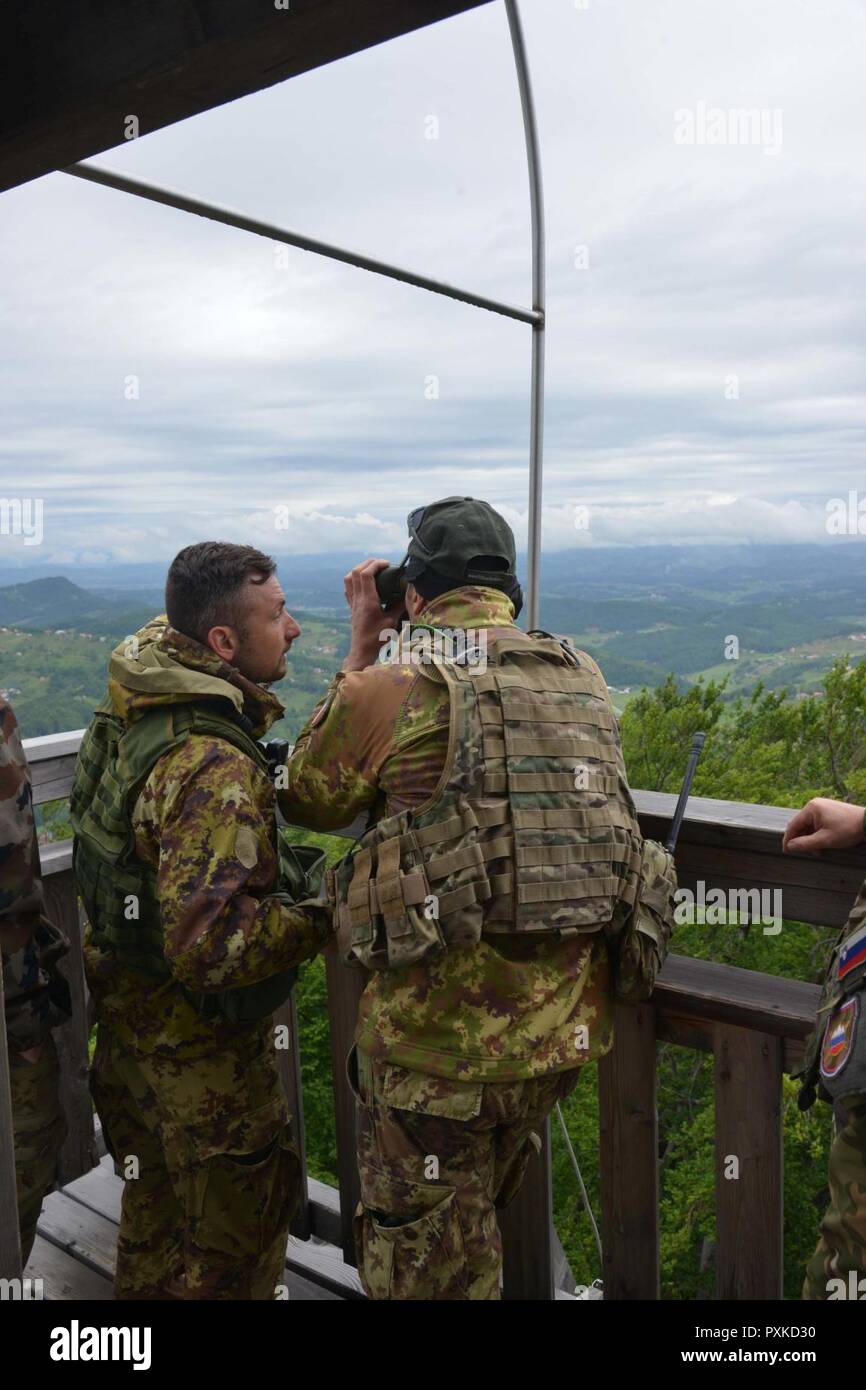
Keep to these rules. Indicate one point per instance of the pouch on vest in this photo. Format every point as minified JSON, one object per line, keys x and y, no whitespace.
{"x":640,"y":946}
{"x":389,"y":911}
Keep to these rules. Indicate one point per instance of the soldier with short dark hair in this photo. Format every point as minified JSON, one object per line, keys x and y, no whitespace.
{"x":35,"y":995}
{"x":835,"y":1063}
{"x":198,"y":915}
{"x":502,"y":849}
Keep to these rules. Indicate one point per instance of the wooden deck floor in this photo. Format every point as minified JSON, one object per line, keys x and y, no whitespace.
{"x":75,"y":1248}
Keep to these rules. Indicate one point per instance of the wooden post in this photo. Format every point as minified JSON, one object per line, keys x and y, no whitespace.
{"x":78,"y":1154}
{"x":289,"y":1064}
{"x":345,"y":987}
{"x":527,"y":1232}
{"x":629,"y":1156}
{"x":748,"y":1078}
{"x":10,"y":1239}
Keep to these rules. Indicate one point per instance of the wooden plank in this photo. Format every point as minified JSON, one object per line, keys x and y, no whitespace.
{"x":629,"y":1156}
{"x":345,"y":987}
{"x":78,"y":1154}
{"x":324,"y":1210}
{"x":63,"y":1277}
{"x":687,"y":1032}
{"x":52,"y":779}
{"x":56,"y":858}
{"x":10,"y":1238}
{"x":48,"y":747}
{"x":323,"y":1265}
{"x":289,"y":1064}
{"x":81,"y":1232}
{"x":735,"y":844}
{"x":526,"y":1226}
{"x":101,"y":1190}
{"x":75,"y":69}
{"x":748,"y":1084}
{"x":725,"y":818}
{"x":705,"y":991}
{"x":684,"y":1031}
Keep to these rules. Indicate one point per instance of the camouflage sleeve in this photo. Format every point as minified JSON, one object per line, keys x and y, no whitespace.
{"x":35,"y":996}
{"x":333,"y":773}
{"x":213,"y":824}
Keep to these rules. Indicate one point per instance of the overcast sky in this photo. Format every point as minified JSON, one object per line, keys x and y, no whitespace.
{"x":705,"y":368}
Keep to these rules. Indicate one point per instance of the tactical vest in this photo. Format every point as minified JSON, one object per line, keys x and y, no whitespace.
{"x":113,"y":764}
{"x":530,"y":831}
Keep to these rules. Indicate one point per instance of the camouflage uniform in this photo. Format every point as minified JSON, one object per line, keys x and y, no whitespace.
{"x":841,"y":1252}
{"x":459,"y":1057}
{"x":36,"y":997}
{"x":192,"y":1107}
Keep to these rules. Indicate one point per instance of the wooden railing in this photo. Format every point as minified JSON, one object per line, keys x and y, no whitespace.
{"x":754,"y":1024}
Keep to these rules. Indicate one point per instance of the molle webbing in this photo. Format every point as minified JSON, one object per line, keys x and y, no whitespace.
{"x":118,"y":888}
{"x":531,"y":828}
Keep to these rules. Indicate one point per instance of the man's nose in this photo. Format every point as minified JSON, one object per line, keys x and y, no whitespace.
{"x":293,"y":629}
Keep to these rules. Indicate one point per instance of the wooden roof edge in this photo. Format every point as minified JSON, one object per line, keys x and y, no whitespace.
{"x":76,"y":70}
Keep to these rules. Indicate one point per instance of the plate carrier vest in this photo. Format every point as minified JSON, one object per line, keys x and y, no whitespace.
{"x":530,"y":831}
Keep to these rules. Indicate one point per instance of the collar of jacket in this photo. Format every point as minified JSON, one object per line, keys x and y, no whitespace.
{"x":469,"y":606}
{"x":161,"y":666}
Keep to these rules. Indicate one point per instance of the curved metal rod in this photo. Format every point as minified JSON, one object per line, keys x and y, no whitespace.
{"x":536,"y":197}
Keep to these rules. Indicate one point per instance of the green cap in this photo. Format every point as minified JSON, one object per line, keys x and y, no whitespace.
{"x":463,"y":539}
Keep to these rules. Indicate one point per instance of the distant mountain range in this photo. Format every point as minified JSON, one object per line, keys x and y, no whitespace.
{"x":641,"y":611}
{"x":58,"y":603}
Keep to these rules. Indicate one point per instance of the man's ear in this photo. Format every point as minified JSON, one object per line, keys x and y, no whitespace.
{"x":224,"y":641}
{"x":414,"y":601}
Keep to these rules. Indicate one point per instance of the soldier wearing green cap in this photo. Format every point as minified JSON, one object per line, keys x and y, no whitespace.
{"x":502,"y":844}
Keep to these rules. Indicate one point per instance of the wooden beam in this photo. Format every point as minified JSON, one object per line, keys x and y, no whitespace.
{"x":526,"y":1225}
{"x":748,"y":1077}
{"x":75,"y":70}
{"x":705,"y":991}
{"x":629,"y":1166}
{"x":345,"y":988}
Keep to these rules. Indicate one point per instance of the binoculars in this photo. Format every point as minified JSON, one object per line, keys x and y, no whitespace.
{"x":391,"y":585}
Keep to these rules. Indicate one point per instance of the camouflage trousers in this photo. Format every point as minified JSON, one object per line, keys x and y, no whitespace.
{"x":211,"y":1175}
{"x":839,"y":1263}
{"x":437,"y":1158}
{"x":39,"y":1131}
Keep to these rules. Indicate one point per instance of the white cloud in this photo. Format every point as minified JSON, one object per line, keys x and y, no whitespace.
{"x":305,"y":386}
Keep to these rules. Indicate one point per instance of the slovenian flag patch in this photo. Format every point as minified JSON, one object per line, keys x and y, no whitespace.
{"x":838,"y":1037}
{"x":852,"y":954}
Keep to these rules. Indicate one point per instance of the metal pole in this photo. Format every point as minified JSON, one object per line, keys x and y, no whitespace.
{"x":536,"y":197}
{"x":167,"y":196}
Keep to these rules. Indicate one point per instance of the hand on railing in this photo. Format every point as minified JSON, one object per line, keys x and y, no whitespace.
{"x":825,"y":824}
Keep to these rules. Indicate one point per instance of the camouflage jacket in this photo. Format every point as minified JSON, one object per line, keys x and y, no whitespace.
{"x":520,"y":1008}
{"x":36,"y":996}
{"x":206,"y":821}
